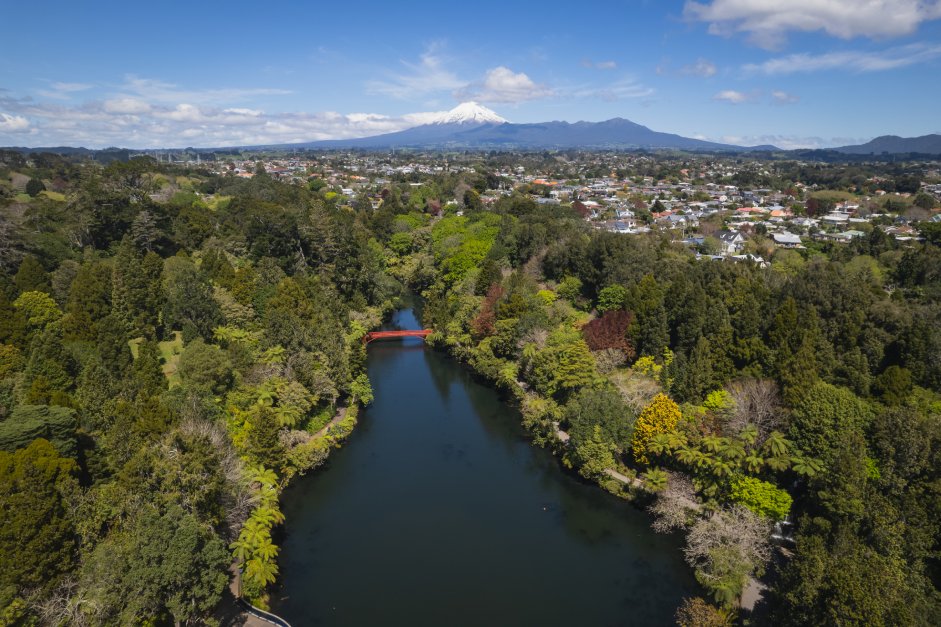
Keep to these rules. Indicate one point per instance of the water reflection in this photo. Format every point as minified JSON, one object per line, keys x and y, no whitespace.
{"x":438,"y":512}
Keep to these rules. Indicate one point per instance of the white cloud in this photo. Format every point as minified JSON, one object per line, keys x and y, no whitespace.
{"x":13,"y":123}
{"x":702,"y":67}
{"x":126,"y":105}
{"x":425,"y":77}
{"x":155,"y":91}
{"x":501,"y":84}
{"x":768,"y":21}
{"x":733,"y":97}
{"x":620,"y":90}
{"x":242,"y":111}
{"x":782,"y":97}
{"x":97,"y":124}
{"x":856,"y":61}
{"x":787,"y":142}
{"x":70,"y":87}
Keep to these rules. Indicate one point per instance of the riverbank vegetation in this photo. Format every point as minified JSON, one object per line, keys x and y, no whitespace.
{"x":169,"y":361}
{"x":740,"y":397}
{"x":176,"y":345}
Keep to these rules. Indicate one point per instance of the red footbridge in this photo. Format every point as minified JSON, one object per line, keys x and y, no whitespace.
{"x":394,"y":335}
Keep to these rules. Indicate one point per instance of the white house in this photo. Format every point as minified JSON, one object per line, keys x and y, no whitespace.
{"x":731,"y":242}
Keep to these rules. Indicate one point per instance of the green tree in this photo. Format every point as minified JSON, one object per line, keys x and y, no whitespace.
{"x":158,"y":564}
{"x":894,"y":385}
{"x":34,"y":186}
{"x":37,"y":537}
{"x":206,"y":367}
{"x":26,"y":423}
{"x":188,"y":304}
{"x":821,"y":417}
{"x":611,"y":298}
{"x":564,"y":365}
{"x":489,"y":274}
{"x":136,"y":290}
{"x":147,"y":378}
{"x":595,"y":453}
{"x":31,"y":276}
{"x":602,"y":409}
{"x":38,"y":308}
{"x":261,"y":442}
{"x":89,"y":301}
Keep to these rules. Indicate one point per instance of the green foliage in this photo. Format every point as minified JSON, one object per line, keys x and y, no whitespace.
{"x":206,"y":366}
{"x":570,"y":288}
{"x":894,"y":385}
{"x":564,"y":365}
{"x":612,"y":298}
{"x":460,"y":243}
{"x":29,"y":422}
{"x":823,"y":415}
{"x":31,"y":276}
{"x":594,"y":454}
{"x":254,"y":550}
{"x":761,"y":497}
{"x":488,"y":275}
{"x":599,"y":413}
{"x":136,"y":290}
{"x":188,"y":303}
{"x":89,"y":301}
{"x":261,"y":440}
{"x":361,"y":390}
{"x":160,"y":563}
{"x":38,"y":308}
{"x":34,"y":186}
{"x":37,"y":541}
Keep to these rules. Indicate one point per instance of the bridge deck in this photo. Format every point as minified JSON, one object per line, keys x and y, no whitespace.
{"x":388,"y":335}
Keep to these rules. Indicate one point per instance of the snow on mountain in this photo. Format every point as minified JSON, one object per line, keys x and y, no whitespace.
{"x":468,"y":113}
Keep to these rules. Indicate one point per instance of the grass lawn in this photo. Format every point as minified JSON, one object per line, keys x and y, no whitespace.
{"x":833,"y":194}
{"x":53,"y":196}
{"x":169,"y":354}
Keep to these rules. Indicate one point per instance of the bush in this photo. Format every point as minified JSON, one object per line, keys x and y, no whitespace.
{"x":34,"y":187}
{"x":761,"y":497}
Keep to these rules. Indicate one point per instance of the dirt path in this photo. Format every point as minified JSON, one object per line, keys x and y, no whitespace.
{"x":614,"y":474}
{"x":340,"y":415}
{"x":752,"y":593}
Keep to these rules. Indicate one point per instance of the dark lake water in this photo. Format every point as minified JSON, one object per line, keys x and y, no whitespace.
{"x":437,"y":511}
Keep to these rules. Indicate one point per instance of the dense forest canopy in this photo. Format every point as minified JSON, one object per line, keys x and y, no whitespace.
{"x":178,"y":342}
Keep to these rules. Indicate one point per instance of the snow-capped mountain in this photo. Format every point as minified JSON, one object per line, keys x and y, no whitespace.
{"x":468,"y":113}
{"x":470,"y":125}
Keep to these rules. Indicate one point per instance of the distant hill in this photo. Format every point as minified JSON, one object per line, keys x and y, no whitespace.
{"x":470,"y":125}
{"x":893,"y":144}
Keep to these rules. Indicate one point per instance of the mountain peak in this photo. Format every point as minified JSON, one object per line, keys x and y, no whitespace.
{"x":468,"y":113}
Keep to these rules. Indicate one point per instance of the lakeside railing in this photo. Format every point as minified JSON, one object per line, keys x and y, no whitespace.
{"x":257,"y":612}
{"x":262,"y":614}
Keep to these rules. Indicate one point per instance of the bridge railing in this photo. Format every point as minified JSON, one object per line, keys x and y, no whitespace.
{"x":380,"y":335}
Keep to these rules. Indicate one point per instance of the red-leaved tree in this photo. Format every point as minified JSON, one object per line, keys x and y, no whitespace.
{"x":484,"y":325}
{"x":610,"y":331}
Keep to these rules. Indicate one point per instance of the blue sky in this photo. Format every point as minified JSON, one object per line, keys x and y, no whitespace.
{"x":813,"y":73}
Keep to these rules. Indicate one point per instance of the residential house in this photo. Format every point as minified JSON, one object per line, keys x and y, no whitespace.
{"x":731,"y":242}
